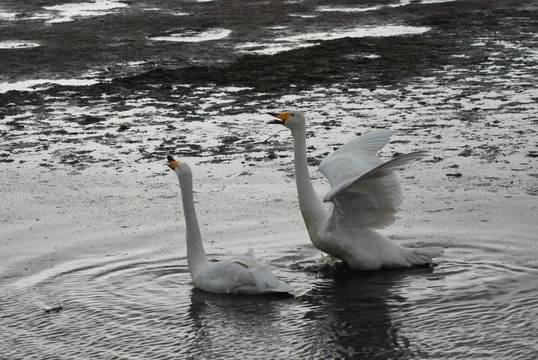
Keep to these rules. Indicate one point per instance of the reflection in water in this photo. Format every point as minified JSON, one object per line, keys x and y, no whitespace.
{"x":345,"y":315}
{"x":350,"y":315}
{"x":145,"y":307}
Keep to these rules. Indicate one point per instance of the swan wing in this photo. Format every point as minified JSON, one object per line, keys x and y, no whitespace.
{"x":240,"y":274}
{"x":258,"y":273}
{"x":370,"y":199}
{"x":355,"y":157}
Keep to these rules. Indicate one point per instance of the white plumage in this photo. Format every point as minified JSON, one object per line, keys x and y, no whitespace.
{"x":365,"y":193}
{"x":242,"y":274}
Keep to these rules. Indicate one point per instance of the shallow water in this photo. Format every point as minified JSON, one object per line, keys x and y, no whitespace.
{"x":85,"y":199}
{"x":145,"y":306}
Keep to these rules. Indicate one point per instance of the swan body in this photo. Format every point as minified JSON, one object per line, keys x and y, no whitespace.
{"x":242,"y":274}
{"x":365,"y":194}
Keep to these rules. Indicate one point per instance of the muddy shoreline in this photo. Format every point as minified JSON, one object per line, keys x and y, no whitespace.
{"x":246,"y":84}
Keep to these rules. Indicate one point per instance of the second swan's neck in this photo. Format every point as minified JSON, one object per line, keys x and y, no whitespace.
{"x":195,"y":249}
{"x":311,"y":206}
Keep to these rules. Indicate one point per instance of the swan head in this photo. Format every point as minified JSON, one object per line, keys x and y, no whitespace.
{"x":180,"y":168}
{"x":293,"y":119}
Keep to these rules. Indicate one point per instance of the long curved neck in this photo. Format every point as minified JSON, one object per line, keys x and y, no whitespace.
{"x":311,"y":206}
{"x":195,"y":249}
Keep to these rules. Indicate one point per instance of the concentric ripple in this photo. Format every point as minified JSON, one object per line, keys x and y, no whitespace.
{"x":144,"y":306}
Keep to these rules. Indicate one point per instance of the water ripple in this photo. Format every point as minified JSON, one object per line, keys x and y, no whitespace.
{"x":144,"y":306}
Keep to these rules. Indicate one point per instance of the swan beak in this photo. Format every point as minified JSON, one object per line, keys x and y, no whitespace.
{"x":172,"y":164}
{"x":282,"y":116}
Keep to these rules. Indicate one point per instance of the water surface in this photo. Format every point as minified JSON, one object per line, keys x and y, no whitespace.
{"x":145,"y":306}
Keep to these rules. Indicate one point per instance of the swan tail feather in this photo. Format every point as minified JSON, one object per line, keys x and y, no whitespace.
{"x":265,"y":280}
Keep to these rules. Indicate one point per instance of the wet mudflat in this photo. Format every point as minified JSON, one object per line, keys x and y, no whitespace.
{"x":92,"y":233}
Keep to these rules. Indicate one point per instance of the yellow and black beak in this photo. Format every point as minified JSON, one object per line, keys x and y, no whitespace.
{"x":172,"y":164}
{"x":282,"y":118}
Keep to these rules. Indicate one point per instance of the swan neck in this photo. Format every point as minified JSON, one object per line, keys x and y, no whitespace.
{"x":311,"y":206}
{"x":195,"y":249}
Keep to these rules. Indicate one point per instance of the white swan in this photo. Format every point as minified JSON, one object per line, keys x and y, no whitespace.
{"x":239,"y":275}
{"x":365,"y":193}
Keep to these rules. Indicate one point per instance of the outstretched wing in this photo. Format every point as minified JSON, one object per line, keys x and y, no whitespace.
{"x":355,"y":158}
{"x":372,"y":198}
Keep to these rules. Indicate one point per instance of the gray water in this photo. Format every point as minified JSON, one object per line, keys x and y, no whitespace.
{"x":146,"y":307}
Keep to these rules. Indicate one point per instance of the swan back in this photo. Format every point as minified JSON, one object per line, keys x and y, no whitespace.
{"x":242,"y":274}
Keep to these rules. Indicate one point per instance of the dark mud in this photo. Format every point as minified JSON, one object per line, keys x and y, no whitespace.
{"x":168,"y":74}
{"x":105,"y":44}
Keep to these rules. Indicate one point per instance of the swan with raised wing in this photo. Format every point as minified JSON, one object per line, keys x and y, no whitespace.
{"x":365,"y":193}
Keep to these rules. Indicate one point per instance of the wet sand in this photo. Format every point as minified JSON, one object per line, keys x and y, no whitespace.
{"x":50,"y":217}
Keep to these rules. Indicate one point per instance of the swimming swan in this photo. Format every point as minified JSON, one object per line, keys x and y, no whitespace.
{"x":365,"y":194}
{"x":239,"y":275}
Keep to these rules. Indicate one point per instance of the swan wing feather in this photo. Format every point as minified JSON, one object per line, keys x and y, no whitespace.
{"x":355,"y":157}
{"x":372,"y":198}
{"x":258,"y":273}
